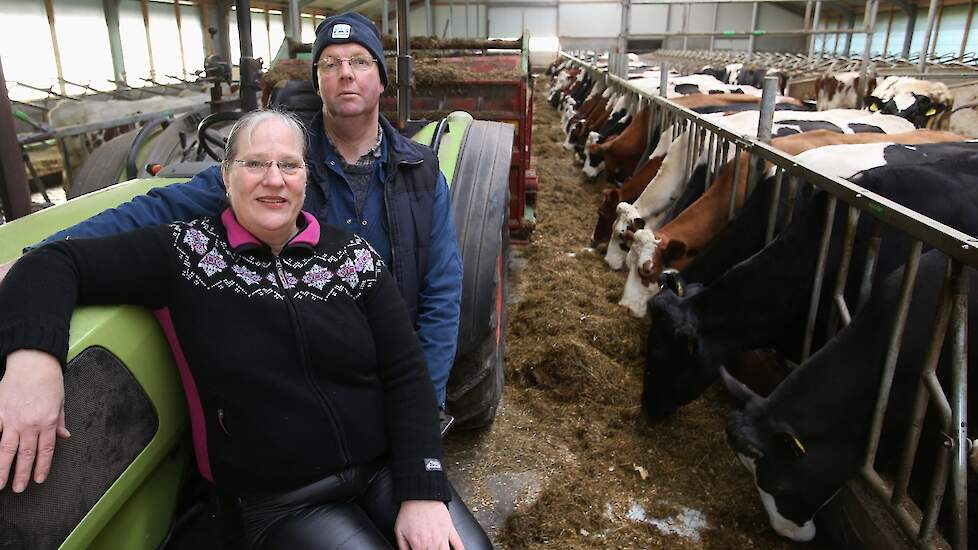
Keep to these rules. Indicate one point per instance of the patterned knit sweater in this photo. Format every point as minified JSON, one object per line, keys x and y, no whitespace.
{"x":295,"y":366}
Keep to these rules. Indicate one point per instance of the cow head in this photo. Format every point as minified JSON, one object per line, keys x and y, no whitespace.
{"x":794,"y":475}
{"x":924,"y":103}
{"x":593,"y":158}
{"x":626,"y":218}
{"x":676,"y":371}
{"x":667,"y":251}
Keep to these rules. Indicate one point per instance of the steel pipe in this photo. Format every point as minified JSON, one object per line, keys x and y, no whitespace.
{"x":931,"y":16}
{"x":892,"y":353}
{"x":959,"y":407}
{"x":772,"y":213}
{"x":823,"y":254}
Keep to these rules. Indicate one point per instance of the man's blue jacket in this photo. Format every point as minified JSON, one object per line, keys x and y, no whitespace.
{"x":407,"y":218}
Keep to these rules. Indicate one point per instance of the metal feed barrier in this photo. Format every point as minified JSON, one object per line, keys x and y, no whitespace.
{"x":717,"y":144}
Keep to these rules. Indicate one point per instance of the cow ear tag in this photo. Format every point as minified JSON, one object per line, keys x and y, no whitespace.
{"x":874,"y":107}
{"x":795,"y":444}
{"x":931,"y":112}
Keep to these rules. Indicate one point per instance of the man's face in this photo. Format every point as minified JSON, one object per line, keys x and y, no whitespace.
{"x":346,"y":91}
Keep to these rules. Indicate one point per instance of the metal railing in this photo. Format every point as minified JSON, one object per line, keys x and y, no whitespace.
{"x":717,"y":145}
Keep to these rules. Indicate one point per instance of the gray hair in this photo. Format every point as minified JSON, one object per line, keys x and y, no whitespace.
{"x":247,"y":123}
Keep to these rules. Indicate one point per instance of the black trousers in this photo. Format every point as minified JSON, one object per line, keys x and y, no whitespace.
{"x":351,"y":510}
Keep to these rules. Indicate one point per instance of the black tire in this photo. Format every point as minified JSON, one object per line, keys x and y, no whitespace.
{"x":480,"y":192}
{"x":104,"y":167}
{"x":177,"y":143}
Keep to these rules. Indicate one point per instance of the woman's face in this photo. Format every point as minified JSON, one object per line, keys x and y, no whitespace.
{"x":266,"y":201}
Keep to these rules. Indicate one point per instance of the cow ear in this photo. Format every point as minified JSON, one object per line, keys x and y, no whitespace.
{"x":670,"y":279}
{"x":675,"y":250}
{"x":743,"y":436}
{"x":739,"y":392}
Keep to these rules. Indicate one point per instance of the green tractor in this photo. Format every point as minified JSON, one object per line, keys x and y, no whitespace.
{"x":125,"y":479}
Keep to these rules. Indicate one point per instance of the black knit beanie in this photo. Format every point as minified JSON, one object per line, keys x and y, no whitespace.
{"x":344,"y":28}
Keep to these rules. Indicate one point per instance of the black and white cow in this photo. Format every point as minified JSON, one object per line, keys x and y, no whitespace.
{"x":805,"y":440}
{"x":762,"y":302}
{"x":928,"y":104}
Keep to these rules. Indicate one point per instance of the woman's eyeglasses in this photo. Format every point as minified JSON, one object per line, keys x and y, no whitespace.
{"x":260,"y":167}
{"x":359,"y":63}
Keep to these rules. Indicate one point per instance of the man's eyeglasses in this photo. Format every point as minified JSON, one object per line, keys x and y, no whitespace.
{"x":359,"y":63}
{"x":260,"y":167}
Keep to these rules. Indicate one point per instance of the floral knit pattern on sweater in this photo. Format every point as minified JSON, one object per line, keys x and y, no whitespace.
{"x":208,"y":261}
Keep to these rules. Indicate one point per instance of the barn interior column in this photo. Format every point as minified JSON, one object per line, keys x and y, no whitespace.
{"x":144,"y":6}
{"x":49,"y":8}
{"x":293,"y":27}
{"x":110,"y":9}
{"x":869,"y":25}
{"x":14,"y":193}
{"x":815,"y":19}
{"x":911,"y":10}
{"x":183,"y":58}
{"x":713,"y":27}
{"x":928,"y":30}
{"x":967,"y":28}
{"x":753,"y":27}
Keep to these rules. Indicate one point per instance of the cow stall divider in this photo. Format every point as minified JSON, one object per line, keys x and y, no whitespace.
{"x":718,"y":145}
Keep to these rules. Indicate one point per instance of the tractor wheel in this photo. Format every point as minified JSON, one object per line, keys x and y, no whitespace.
{"x":104,"y":167}
{"x":480,"y":202}
{"x":177,"y":143}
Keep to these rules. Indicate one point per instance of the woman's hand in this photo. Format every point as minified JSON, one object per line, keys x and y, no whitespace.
{"x":32,"y":415}
{"x":425,"y":525}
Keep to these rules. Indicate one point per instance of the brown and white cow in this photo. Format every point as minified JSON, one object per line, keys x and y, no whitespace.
{"x":676,"y":243}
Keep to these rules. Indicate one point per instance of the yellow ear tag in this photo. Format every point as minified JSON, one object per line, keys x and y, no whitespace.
{"x":874,"y":107}
{"x":798,"y":447}
{"x":931,"y":112}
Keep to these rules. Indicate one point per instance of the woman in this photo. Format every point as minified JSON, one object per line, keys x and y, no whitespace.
{"x":308,"y":394}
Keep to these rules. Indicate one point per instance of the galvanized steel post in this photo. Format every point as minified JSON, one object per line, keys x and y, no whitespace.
{"x":49,"y":9}
{"x":765,"y":120}
{"x":967,"y":28}
{"x":959,"y":408}
{"x":429,"y":18}
{"x":385,"y":18}
{"x":686,"y":8}
{"x":664,"y":79}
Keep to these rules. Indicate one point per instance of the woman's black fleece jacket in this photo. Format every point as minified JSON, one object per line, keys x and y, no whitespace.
{"x":295,"y":367}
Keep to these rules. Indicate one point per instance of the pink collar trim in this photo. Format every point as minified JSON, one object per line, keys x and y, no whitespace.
{"x":239,"y":237}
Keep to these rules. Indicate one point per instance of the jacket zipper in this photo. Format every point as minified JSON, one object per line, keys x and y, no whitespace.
{"x":324,"y":401}
{"x":387,"y":207}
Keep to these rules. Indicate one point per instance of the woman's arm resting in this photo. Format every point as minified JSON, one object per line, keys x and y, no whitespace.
{"x":425,"y":525}
{"x":32,"y":414}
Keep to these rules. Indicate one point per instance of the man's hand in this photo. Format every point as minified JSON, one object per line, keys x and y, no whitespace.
{"x":425,"y":525}
{"x":32,"y":415}
{"x":5,"y":267}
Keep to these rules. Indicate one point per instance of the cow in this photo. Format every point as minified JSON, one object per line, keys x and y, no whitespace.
{"x":627,"y":154}
{"x":726,"y":74}
{"x":677,"y":242}
{"x":804,"y":441}
{"x":594,"y":117}
{"x":928,"y":104}
{"x":840,"y":91}
{"x":618,"y":154}
{"x":651,"y":206}
{"x":754,"y":75}
{"x":762,"y":302}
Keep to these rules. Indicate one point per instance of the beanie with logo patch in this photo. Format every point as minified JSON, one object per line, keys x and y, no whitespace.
{"x":346,"y":28}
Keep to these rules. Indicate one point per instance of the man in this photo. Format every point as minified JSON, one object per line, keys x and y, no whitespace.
{"x":363,"y":177}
